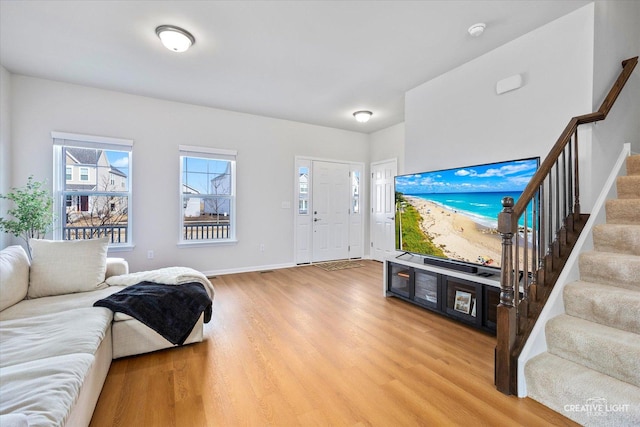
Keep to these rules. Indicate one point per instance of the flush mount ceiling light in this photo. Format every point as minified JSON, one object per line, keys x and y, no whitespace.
{"x":362,"y":116}
{"x":476,"y":30}
{"x":175,"y":38}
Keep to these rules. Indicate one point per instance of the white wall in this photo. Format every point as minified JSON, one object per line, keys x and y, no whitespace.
{"x":265,"y":173}
{"x":458,"y":119}
{"x":5,"y":145}
{"x":617,"y":37}
{"x":388,"y":144}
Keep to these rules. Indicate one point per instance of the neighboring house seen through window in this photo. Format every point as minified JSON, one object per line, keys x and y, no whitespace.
{"x":95,"y":201}
{"x":303,"y":190}
{"x":207,"y":183}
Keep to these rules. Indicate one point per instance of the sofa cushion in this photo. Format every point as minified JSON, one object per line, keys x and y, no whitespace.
{"x":14,"y":420}
{"x":67,"y":266}
{"x":55,"y":304}
{"x":44,"y":390}
{"x":14,"y":276}
{"x":80,"y":330}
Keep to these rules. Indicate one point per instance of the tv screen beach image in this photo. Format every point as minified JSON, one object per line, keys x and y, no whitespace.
{"x":453,"y":213}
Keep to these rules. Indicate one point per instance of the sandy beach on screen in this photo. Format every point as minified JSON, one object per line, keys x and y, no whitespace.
{"x":459,"y":236}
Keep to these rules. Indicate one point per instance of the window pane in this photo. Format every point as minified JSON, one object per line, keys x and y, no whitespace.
{"x":89,"y":216}
{"x":98,"y":170}
{"x":84,"y":174}
{"x":355,"y":191}
{"x":303,"y":190}
{"x":303,"y":206}
{"x":206,"y":218}
{"x":117,"y":170}
{"x":206,"y":176}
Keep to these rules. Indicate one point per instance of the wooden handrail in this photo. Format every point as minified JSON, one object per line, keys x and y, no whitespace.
{"x":537,"y":179}
{"x":531,"y":265}
{"x":627,"y":68}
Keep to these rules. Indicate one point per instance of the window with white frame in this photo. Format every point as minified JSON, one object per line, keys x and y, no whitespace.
{"x":303,"y":190}
{"x":96,"y":200}
{"x":355,"y":192}
{"x":207,"y":195}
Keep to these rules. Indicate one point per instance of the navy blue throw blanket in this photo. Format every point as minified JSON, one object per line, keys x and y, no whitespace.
{"x":170,"y":310}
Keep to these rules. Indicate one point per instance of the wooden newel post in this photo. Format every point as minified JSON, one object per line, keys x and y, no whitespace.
{"x":506,"y":312}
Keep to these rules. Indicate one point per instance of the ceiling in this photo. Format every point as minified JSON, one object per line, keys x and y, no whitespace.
{"x":309,"y":61}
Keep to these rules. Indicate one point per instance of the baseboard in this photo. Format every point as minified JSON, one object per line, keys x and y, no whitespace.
{"x":255,"y":268}
{"x":250,"y":269}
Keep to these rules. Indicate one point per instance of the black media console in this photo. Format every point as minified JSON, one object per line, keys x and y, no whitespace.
{"x":470,"y":297}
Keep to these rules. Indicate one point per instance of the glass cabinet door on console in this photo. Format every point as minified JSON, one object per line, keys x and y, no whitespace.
{"x":491,"y":301}
{"x":400,"y":279}
{"x":427,"y":291}
{"x":463,"y":299}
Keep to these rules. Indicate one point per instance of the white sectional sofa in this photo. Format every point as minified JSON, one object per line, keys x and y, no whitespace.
{"x":55,"y":347}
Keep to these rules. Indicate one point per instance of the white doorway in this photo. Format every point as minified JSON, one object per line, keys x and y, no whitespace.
{"x":383,"y":209}
{"x":329,"y":220}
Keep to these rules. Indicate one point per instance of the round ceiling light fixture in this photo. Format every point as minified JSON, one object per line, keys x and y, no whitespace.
{"x":362,"y":116}
{"x":476,"y":30}
{"x":175,"y":38}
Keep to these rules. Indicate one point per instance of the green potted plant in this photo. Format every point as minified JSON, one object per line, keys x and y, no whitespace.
{"x":32,"y":215}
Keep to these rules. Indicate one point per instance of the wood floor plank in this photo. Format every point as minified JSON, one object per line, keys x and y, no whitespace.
{"x":304,"y":346}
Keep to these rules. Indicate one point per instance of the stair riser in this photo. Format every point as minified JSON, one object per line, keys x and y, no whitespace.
{"x":597,"y":347}
{"x":623,"y":211}
{"x":606,"y":305}
{"x":633,"y":165}
{"x":628,"y":187}
{"x":617,"y":238}
{"x":621,"y":271}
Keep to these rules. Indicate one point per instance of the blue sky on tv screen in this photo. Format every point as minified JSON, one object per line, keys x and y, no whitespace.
{"x":511,"y":176}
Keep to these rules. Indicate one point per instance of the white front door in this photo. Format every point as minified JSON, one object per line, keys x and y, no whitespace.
{"x":383,"y":209}
{"x":330,"y":216}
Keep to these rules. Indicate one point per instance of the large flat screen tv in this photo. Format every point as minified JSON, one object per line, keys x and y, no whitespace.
{"x":451,"y":216}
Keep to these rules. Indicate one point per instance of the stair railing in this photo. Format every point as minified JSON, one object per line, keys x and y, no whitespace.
{"x":538,"y":234}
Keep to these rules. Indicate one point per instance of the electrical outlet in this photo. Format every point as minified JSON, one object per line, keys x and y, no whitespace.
{"x":261,"y":247}
{"x":150,"y":254}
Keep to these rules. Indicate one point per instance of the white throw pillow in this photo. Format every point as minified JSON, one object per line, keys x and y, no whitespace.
{"x":14,"y":276}
{"x":66,"y":266}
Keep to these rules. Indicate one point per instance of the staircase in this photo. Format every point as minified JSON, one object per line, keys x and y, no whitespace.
{"x":591,"y":370}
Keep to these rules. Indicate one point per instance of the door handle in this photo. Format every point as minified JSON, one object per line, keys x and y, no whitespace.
{"x":316,"y":220}
{"x":391,"y":218}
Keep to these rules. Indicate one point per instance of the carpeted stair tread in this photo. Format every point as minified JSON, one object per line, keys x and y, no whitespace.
{"x":633,"y":165}
{"x":621,"y":238}
{"x":602,"y":348}
{"x":628,"y":187}
{"x":623,"y":211}
{"x":607,"y":305}
{"x":561,"y":385}
{"x":610,"y":268}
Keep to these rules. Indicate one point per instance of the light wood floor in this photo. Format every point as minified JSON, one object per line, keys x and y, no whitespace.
{"x":303,"y":346}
